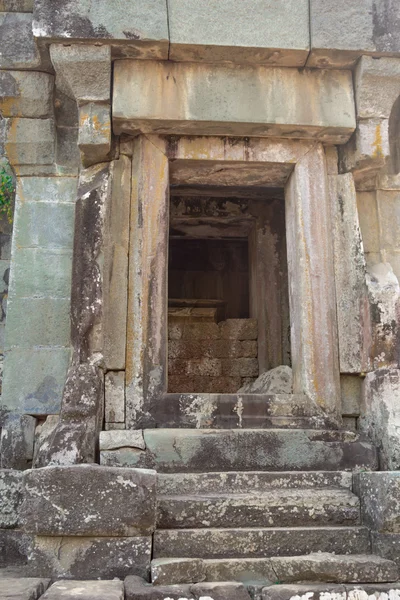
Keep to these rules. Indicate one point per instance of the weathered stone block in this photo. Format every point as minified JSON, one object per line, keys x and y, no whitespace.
{"x":34,"y":379}
{"x":137,"y":589}
{"x":10,"y":497}
{"x":220,"y":590}
{"x":275,"y":381}
{"x":142,"y":27}
{"x":377,"y":86}
{"x":17,"y":46}
{"x":224,"y":31}
{"x":380,"y":500}
{"x":194,"y":331}
{"x":380,"y":414}
{"x":166,"y":571}
{"x":68,"y":158}
{"x":114,"y":390}
{"x":43,"y":436}
{"x":85,"y":590}
{"x":88,"y":500}
{"x":28,"y":588}
{"x":112,"y":440}
{"x":386,"y":545}
{"x":94,"y":138}
{"x":389,"y":218}
{"x":40,"y":273}
{"x":45,"y":225}
{"x":19,"y":6}
{"x":239,"y":329}
{"x":90,"y":557}
{"x":47,"y":189}
{"x":204,"y":106}
{"x":14,"y":547}
{"x":54,"y":312}
{"x":368,"y":218}
{"x":350,"y":387}
{"x":212,"y":385}
{"x":343,"y":31}
{"x":28,"y":141}
{"x":26,"y":94}
{"x":17,"y":439}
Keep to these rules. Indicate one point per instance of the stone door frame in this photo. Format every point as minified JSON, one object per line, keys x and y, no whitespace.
{"x":299,"y":167}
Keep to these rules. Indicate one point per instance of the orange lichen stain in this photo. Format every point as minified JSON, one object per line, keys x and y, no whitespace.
{"x":377,"y":143}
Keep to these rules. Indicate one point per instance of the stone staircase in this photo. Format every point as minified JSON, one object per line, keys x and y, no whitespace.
{"x":261,"y":526}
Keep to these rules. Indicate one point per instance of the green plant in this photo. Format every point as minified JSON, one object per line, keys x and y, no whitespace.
{"x":7,"y":190}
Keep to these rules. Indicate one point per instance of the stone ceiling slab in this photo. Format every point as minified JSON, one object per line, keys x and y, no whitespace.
{"x":186,"y":98}
{"x":273,"y":33}
{"x":135,"y":28}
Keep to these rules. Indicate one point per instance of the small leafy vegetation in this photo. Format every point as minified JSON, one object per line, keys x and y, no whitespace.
{"x":7,"y":190}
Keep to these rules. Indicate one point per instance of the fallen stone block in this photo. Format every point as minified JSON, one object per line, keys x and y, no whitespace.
{"x":274,"y":381}
{"x":10,"y":497}
{"x":85,"y":590}
{"x":28,"y":588}
{"x":168,"y":571}
{"x":90,"y":557}
{"x":88,"y":500}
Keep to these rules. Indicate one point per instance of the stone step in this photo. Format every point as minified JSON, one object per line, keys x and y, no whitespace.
{"x":279,"y":508}
{"x":259,"y":542}
{"x":209,"y":450}
{"x":318,"y":567}
{"x":331,"y":591}
{"x":241,"y":482}
{"x":231,"y":411}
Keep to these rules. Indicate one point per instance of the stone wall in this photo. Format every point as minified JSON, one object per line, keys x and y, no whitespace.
{"x":211,"y":358}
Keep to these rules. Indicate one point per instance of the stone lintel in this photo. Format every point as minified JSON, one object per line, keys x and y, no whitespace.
{"x":182,"y":98}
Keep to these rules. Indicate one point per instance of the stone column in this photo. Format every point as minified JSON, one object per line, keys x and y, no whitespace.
{"x":146,"y":365}
{"x":315,"y":359}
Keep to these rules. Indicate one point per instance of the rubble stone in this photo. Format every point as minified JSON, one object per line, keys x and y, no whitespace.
{"x":275,"y":381}
{"x":88,"y":500}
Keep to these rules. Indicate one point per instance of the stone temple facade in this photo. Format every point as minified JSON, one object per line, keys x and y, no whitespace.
{"x":200,"y":299}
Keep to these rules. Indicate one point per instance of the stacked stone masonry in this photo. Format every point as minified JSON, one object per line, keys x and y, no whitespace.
{"x":130,"y":466}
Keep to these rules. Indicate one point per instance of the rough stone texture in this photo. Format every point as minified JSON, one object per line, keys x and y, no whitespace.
{"x":88,"y":501}
{"x":85,"y":590}
{"x":275,"y":381}
{"x":16,"y":442}
{"x":275,"y":507}
{"x":380,"y":499}
{"x":386,"y":545}
{"x":223,"y":31}
{"x":200,"y":105}
{"x":321,"y":591}
{"x":342,"y":31}
{"x":114,"y":390}
{"x":10,"y":497}
{"x":220,"y":591}
{"x":146,"y":356}
{"x":17,"y":46}
{"x":94,"y":139}
{"x":166,"y":571}
{"x":376,"y":86}
{"x":334,"y":568}
{"x":90,"y":557}
{"x":98,"y":327}
{"x":14,"y":548}
{"x":28,"y":95}
{"x":244,"y":570}
{"x":350,"y":268}
{"x":258,"y":542}
{"x":315,"y":360}
{"x":191,"y":450}
{"x":83,"y":71}
{"x":380,"y":415}
{"x":22,"y":589}
{"x":16,"y":6}
{"x":142,"y":28}
{"x":350,"y":386}
{"x":138,"y":589}
{"x":43,"y":436}
{"x":28,"y":141}
{"x":110,"y":440}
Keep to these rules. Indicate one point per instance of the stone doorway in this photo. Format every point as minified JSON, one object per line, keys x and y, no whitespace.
{"x":228,"y":304}
{"x":241,"y":168}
